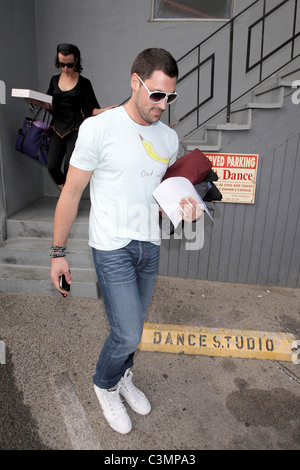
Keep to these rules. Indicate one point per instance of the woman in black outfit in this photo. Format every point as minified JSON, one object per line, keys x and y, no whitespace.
{"x":73,"y":101}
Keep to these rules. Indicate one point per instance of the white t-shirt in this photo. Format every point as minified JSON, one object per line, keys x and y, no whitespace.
{"x":128,"y":162}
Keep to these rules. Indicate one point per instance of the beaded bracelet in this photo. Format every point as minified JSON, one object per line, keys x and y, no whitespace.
{"x":57,"y":251}
{"x":57,"y":255}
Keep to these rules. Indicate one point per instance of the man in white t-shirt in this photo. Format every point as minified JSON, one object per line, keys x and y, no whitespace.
{"x":123,"y":153}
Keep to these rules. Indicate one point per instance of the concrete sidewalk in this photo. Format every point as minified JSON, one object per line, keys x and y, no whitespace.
{"x":198,"y":402}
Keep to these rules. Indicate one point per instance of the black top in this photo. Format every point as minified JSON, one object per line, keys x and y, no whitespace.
{"x":71,"y":107}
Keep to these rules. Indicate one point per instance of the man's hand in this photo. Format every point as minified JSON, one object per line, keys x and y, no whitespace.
{"x":60,"y":266}
{"x":191,"y":210}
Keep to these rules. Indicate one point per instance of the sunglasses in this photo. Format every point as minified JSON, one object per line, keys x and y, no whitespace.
{"x":158,"y":96}
{"x":69,"y":65}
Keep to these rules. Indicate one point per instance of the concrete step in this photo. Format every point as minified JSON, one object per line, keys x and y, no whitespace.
{"x":210,"y":143}
{"x":24,"y":256}
{"x":36,"y":280}
{"x":36,"y":220}
{"x":288,"y":79}
{"x":35,"y":251}
{"x":268,"y":98}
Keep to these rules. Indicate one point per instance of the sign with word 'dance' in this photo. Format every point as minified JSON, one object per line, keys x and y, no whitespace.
{"x":217,"y":342}
{"x":237,"y":176}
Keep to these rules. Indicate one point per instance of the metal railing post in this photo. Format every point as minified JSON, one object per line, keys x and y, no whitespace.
{"x":229,"y":83}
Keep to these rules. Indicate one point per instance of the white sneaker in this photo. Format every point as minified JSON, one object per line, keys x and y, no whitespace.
{"x":134,"y":397}
{"x":113,"y":409}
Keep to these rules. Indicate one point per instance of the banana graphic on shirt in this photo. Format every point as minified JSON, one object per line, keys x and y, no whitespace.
{"x":152,"y":153}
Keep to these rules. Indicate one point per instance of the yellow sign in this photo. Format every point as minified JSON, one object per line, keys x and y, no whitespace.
{"x":217,"y":342}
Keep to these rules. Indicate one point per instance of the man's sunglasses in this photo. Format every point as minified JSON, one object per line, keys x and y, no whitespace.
{"x":158,"y":96}
{"x":70,"y":65}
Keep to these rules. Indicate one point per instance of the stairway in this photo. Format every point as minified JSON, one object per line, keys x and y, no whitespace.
{"x":24,"y":256}
{"x":267,"y":96}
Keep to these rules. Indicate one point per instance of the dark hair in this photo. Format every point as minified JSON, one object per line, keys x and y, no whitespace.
{"x":67,"y":49}
{"x":153,"y":59}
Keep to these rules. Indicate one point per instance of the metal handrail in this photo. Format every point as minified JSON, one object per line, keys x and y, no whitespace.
{"x":212,"y":58}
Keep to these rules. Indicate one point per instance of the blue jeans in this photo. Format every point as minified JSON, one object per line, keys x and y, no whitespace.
{"x":126,"y":278}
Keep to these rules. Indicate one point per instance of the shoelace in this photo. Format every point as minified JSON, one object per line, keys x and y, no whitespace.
{"x":114,"y":400}
{"x":130,"y":387}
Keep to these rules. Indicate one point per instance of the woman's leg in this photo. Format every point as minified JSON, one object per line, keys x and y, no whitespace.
{"x":60,"y":148}
{"x":55,"y":157}
{"x":70,"y":145}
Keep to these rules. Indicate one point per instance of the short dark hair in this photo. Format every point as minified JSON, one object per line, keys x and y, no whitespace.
{"x":67,"y":49}
{"x":153,"y":59}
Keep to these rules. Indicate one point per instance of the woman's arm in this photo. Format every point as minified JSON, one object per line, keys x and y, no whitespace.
{"x":101,"y":110}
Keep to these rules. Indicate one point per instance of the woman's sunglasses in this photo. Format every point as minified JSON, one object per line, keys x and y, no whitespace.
{"x":69,"y":65}
{"x":158,"y":96}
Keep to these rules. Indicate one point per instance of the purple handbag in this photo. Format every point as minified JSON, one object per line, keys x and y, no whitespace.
{"x":34,"y":138}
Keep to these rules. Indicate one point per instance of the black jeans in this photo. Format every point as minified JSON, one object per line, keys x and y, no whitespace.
{"x":60,"y":148}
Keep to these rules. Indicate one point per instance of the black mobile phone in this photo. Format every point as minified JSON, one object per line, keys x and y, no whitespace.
{"x":63,"y":284}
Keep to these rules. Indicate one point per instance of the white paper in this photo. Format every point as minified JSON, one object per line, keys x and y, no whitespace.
{"x":170,"y":192}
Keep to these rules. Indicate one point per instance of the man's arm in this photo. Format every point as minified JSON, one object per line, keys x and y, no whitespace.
{"x":64,"y":217}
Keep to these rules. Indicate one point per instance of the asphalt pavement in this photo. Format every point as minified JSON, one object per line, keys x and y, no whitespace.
{"x":199,"y":402}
